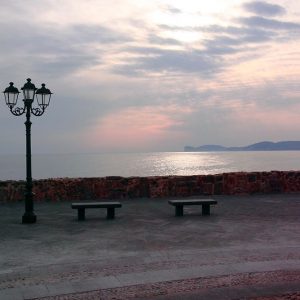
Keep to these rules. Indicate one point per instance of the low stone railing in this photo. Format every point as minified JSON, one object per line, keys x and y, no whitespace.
{"x":115,"y":187}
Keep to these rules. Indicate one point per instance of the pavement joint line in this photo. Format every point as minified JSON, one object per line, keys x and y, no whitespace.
{"x":122,"y":280}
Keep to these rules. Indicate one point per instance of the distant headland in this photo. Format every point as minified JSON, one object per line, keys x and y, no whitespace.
{"x":261,"y":146}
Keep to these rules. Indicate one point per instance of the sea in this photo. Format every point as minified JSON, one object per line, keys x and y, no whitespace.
{"x":13,"y":166}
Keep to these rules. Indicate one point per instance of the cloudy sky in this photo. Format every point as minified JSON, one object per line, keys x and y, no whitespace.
{"x":139,"y":75}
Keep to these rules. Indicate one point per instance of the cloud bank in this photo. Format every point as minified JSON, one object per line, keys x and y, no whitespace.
{"x":158,"y":75}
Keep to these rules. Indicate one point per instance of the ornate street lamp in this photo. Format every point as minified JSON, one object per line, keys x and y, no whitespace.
{"x":43,"y":96}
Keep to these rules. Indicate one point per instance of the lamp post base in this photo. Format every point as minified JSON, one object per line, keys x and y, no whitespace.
{"x":29,"y":218}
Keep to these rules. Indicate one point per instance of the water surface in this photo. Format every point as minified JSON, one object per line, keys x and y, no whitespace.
{"x":146,"y":164}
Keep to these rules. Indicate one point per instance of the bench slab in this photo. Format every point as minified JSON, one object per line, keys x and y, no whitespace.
{"x":192,"y":202}
{"x":81,"y":206}
{"x":96,"y":204}
{"x":179,"y":204}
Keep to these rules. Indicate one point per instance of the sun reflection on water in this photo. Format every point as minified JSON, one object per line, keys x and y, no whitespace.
{"x":181,"y":163}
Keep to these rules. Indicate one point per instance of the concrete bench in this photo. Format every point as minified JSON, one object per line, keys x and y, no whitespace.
{"x":179,"y":204}
{"x":83,"y":205}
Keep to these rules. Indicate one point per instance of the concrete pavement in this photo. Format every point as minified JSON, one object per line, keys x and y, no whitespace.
{"x":249,"y":246}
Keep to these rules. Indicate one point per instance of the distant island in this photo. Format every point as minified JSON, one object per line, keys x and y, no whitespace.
{"x":262,"y":146}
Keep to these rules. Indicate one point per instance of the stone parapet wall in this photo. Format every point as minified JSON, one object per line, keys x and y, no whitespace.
{"x":115,"y":187}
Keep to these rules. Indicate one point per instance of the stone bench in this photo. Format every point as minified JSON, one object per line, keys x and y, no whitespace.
{"x":83,"y":205}
{"x":179,"y":204}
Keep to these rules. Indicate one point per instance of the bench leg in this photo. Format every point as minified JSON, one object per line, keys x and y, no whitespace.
{"x":81,"y":214}
{"x":179,"y":210}
{"x":206,"y":209}
{"x":110,"y":213}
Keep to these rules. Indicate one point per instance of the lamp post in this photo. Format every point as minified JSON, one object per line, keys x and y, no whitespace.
{"x":43,"y":96}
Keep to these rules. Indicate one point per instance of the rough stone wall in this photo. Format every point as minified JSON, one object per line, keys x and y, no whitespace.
{"x":115,"y":187}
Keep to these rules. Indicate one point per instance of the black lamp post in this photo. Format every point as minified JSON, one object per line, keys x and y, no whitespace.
{"x":43,"y":96}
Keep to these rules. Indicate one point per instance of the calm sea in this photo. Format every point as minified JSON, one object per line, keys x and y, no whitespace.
{"x":146,"y":164}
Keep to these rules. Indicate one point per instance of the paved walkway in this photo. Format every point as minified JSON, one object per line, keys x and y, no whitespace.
{"x":247,"y":248}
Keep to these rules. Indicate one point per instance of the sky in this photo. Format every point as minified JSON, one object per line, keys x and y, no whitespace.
{"x":141,"y":76}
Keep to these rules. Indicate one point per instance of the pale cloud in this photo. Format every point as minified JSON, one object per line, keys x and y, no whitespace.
{"x":172,"y":9}
{"x":159,"y":60}
{"x":264,"y":8}
{"x":269,"y":121}
{"x":155,"y":39}
{"x":138,"y":128}
{"x":267,"y":23}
